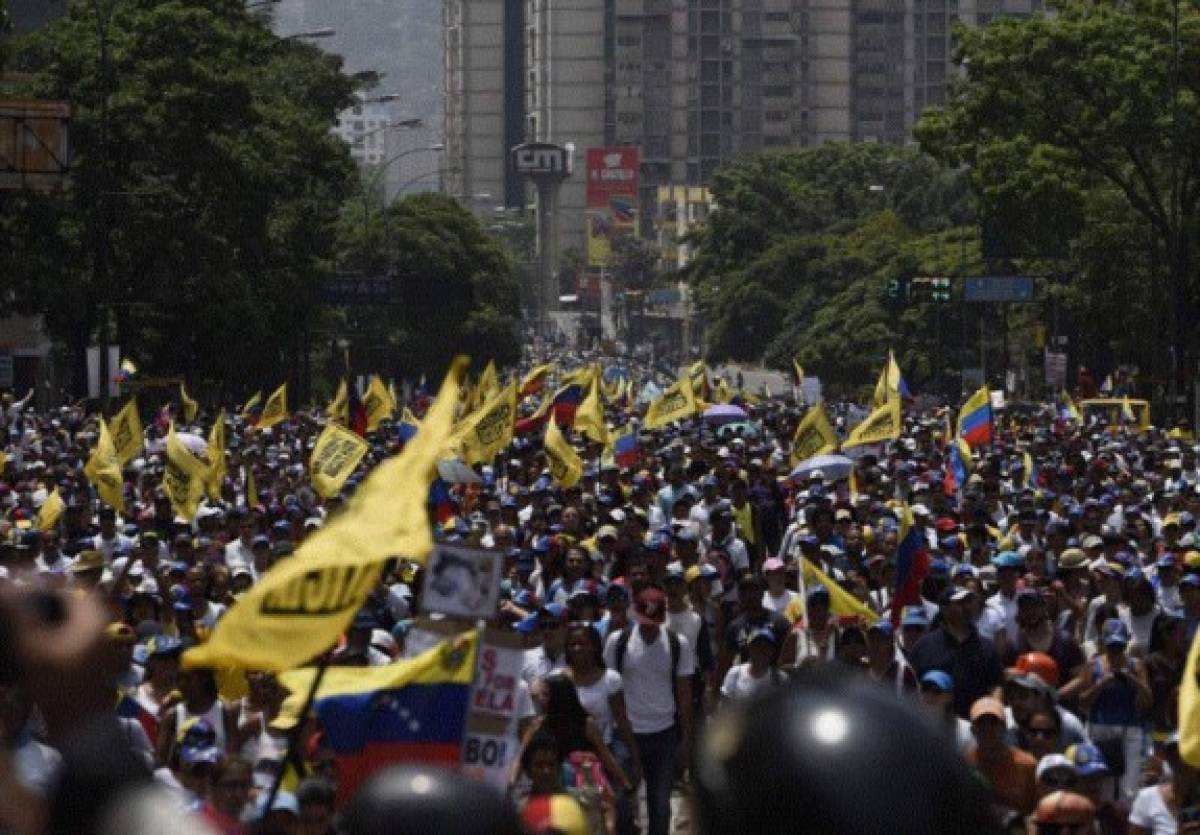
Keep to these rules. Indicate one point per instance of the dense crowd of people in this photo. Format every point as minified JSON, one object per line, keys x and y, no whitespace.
{"x":1046,"y":646}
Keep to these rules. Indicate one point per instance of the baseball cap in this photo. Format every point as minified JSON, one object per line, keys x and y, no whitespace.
{"x":1115,"y":633}
{"x":1008,"y":559}
{"x":1087,"y":759}
{"x":1072,"y":558}
{"x":939,"y":679}
{"x":764,"y":633}
{"x":1054,"y":762}
{"x":914,"y":616}
{"x":773,"y":564}
{"x":987,"y":706}
{"x":163,"y":646}
{"x":1038,"y":663}
{"x":955,"y":594}
{"x":883,"y":626}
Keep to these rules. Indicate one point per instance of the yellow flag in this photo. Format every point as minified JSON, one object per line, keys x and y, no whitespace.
{"x":103,"y":470}
{"x":676,"y":403}
{"x":378,"y":403}
{"x":799,"y":369}
{"x":1027,"y":460}
{"x":883,"y":424}
{"x":300,"y":607}
{"x":723,"y":393}
{"x":50,"y":512}
{"x":1189,"y":708}
{"x":814,"y":435}
{"x":251,"y":487}
{"x":339,"y":408}
{"x":698,"y":375}
{"x":190,"y":406}
{"x":276,"y":409}
{"x":334,"y":457}
{"x":250,"y":405}
{"x":488,"y":429}
{"x":489,"y":380}
{"x":888,"y":386}
{"x":3,"y":461}
{"x":184,"y":477}
{"x":842,"y":604}
{"x":216,"y":457}
{"x":126,"y":428}
{"x":566,"y":466}
{"x":589,"y":416}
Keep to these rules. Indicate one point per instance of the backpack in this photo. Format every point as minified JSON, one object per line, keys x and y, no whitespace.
{"x":672,"y":639}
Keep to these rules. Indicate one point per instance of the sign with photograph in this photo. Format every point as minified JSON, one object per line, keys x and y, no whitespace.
{"x":462,"y":582}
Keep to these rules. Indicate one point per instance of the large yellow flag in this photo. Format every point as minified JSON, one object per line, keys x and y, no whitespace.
{"x":888,"y":386}
{"x":276,"y":408}
{"x":378,"y":403}
{"x":103,"y":470}
{"x":126,"y":428}
{"x":190,"y":406}
{"x":184,"y":477}
{"x":883,"y":424}
{"x":722,"y":393}
{"x":216,"y":457}
{"x":842,"y":604}
{"x":488,"y":429}
{"x":334,"y":457}
{"x":300,"y":607}
{"x":50,"y":512}
{"x":814,"y":435}
{"x":676,"y":403}
{"x":589,"y":416}
{"x":339,"y":408}
{"x":566,"y":467}
{"x":3,"y":460}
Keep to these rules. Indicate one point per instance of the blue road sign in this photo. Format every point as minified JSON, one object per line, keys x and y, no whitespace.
{"x":998,"y":288}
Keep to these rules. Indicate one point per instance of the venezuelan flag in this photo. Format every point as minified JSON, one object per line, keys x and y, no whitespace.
{"x":626,"y":451}
{"x":912,"y":564}
{"x":975,"y":419}
{"x":131,"y":708}
{"x":958,"y":459}
{"x":443,"y":504}
{"x":414,"y":710}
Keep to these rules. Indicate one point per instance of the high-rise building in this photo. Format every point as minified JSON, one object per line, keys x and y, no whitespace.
{"x":364,"y":126}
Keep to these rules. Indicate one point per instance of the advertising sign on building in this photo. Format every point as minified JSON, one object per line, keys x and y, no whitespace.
{"x":612,"y":199}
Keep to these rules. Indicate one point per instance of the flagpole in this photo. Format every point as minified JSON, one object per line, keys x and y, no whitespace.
{"x":294,"y":736}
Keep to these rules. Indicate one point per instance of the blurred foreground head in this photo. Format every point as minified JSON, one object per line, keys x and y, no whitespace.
{"x":833,"y":752}
{"x":427,"y":800}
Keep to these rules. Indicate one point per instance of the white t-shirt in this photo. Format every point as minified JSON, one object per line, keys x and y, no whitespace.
{"x":1007,"y":606}
{"x":740,"y":682}
{"x":646,"y":676}
{"x":539,"y":665}
{"x":1150,"y":812}
{"x":108,"y":547}
{"x":778,"y":604}
{"x":594,"y":699}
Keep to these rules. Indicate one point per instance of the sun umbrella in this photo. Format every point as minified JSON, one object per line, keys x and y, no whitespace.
{"x":831,"y":466}
{"x":724,"y":413}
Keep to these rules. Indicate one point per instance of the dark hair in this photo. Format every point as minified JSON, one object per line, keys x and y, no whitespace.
{"x":565,"y":714}
{"x":1164,"y":622}
{"x":542,"y":740}
{"x":316,"y":791}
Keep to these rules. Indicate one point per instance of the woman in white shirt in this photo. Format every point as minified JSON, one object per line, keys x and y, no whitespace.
{"x":777,"y":596}
{"x":759,"y":672}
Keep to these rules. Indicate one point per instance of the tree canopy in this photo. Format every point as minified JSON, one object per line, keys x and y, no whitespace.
{"x":206,"y":185}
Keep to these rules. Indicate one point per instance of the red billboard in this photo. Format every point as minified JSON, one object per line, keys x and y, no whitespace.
{"x":612,"y":199}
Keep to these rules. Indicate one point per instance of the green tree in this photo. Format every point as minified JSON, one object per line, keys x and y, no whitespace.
{"x":795,"y":260}
{"x":205,"y":189}
{"x":1080,"y":125}
{"x":455,"y":287}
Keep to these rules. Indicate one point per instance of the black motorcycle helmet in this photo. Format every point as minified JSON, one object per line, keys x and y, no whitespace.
{"x":427,"y":800}
{"x":832,"y":751}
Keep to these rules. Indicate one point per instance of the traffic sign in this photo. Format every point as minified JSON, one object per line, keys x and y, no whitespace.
{"x":934,"y":288}
{"x":998,"y":288}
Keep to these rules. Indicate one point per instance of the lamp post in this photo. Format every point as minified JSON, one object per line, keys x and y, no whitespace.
{"x":383,"y":167}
